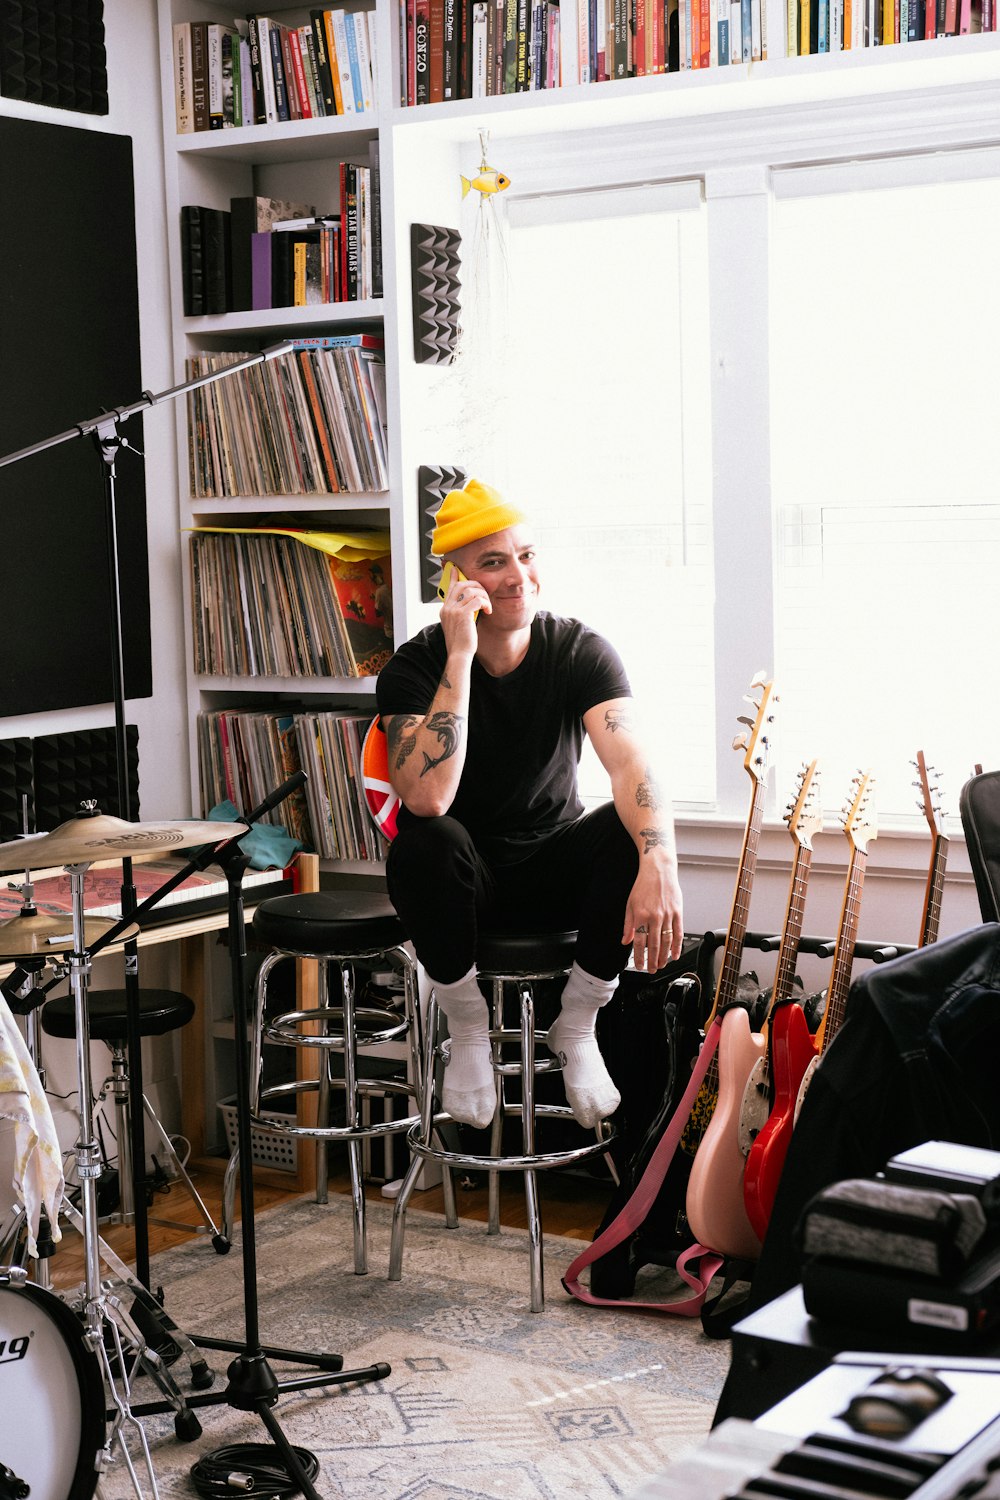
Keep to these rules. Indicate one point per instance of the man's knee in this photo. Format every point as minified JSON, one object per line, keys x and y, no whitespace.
{"x":429,"y":844}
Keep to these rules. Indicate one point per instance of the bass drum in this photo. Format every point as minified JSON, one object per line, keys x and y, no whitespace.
{"x":52,"y":1402}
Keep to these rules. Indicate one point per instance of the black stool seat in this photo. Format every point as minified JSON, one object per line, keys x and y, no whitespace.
{"x":160,"y":1011}
{"x":524,"y":952}
{"x":337,"y":922}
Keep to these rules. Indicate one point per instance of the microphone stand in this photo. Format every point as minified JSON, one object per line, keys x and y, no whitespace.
{"x":253,"y":1386}
{"x":104,"y":430}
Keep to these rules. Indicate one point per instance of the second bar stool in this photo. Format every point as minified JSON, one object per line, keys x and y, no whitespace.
{"x":518,"y":961}
{"x":337,"y":930}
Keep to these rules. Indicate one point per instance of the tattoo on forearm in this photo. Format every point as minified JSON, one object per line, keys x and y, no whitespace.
{"x":647,"y":793}
{"x":448,"y":728}
{"x":444,"y":680}
{"x":654,"y":838}
{"x":618,"y":718}
{"x":402,"y":739}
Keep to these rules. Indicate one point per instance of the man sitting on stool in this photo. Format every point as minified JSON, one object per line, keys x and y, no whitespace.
{"x":485,"y":715}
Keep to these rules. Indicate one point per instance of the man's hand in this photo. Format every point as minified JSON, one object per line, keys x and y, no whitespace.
{"x":458,"y":615}
{"x":654,"y":916}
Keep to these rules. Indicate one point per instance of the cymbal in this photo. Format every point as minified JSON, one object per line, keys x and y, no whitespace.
{"x":48,"y":932}
{"x":85,"y":839}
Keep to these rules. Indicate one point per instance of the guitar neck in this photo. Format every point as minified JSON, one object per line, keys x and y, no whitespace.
{"x":729,"y":973}
{"x":932,"y":897}
{"x":788,"y":953}
{"x":843,"y":959}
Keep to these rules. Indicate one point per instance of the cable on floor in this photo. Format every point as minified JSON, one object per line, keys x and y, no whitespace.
{"x":250,"y":1469}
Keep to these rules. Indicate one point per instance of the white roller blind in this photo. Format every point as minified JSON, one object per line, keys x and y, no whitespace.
{"x":886,"y":327}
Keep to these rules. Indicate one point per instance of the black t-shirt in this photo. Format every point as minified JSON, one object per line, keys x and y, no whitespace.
{"x":525,"y":730}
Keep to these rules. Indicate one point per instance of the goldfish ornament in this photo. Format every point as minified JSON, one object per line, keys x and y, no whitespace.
{"x":487,"y":182}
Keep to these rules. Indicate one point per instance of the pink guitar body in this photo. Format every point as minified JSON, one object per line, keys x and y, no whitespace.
{"x":715,"y":1208}
{"x":792,"y":1050}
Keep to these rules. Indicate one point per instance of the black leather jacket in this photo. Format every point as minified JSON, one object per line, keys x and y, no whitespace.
{"x":915,"y":1060}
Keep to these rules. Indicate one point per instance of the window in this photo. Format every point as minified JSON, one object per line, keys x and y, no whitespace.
{"x":604,"y":435}
{"x":885,"y":327}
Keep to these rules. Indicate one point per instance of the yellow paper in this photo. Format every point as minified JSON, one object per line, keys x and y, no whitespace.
{"x":349,"y":546}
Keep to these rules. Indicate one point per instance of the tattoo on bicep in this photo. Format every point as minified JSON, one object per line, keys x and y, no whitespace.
{"x":654,"y":838}
{"x":402,"y":739}
{"x":618,"y":718}
{"x":448,"y":728}
{"x":647,"y":793}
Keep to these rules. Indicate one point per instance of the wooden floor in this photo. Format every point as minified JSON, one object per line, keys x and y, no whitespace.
{"x":571,"y":1206}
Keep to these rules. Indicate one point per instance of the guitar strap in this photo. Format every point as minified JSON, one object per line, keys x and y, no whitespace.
{"x":697,"y":1264}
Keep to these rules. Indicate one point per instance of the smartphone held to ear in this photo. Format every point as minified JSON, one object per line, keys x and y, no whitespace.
{"x":448,"y":573}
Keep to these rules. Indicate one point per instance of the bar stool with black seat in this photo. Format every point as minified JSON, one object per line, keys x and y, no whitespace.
{"x":160,"y":1012}
{"x":518,"y":960}
{"x":337,"y":930}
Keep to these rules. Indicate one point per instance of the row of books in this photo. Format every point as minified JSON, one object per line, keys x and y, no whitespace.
{"x":816,"y":26}
{"x":272,"y":602}
{"x":473,"y":49}
{"x":258,"y":71}
{"x":264,"y":252}
{"x":308,"y":422}
{"x":243,"y":754}
{"x":458,"y":49}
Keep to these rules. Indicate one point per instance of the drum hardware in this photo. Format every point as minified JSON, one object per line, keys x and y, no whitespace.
{"x":252,"y":1386}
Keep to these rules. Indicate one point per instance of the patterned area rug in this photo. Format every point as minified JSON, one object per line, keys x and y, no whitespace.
{"x":486,"y":1401}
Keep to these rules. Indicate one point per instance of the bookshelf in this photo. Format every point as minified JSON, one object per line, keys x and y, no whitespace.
{"x":729,"y":128}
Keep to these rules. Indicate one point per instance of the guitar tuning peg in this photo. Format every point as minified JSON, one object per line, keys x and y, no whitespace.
{"x":739,"y":742}
{"x":744,"y":719}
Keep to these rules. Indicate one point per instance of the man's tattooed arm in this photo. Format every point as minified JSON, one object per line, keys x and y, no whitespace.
{"x":402,"y":739}
{"x":618,"y":718}
{"x":449,"y":728}
{"x":647,"y":793}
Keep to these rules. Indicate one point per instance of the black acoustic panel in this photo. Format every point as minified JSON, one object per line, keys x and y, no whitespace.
{"x":82,"y":766}
{"x":432,"y":486}
{"x":52,"y":52}
{"x":69,"y":348}
{"x":15,"y":785}
{"x":435,"y":257}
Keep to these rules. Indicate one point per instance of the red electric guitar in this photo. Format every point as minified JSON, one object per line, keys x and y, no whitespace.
{"x":714,"y":1204}
{"x":931,"y":810}
{"x":796,"y":1059}
{"x":790,"y":1044}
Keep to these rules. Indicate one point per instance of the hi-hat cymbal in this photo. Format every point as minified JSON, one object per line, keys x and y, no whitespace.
{"x":47,"y":932}
{"x":85,"y":839}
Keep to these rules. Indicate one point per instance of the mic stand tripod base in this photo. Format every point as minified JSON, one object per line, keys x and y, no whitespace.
{"x":253,"y":1385}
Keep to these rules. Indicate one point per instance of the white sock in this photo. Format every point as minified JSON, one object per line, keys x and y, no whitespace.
{"x":469,"y":1092}
{"x":590,"y":1092}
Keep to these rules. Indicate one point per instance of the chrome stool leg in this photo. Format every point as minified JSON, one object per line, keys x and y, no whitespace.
{"x":528,"y":1138}
{"x":324,"y":1090}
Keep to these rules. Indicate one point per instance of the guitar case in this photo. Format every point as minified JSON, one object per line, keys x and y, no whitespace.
{"x":650,"y":1035}
{"x":979,"y":807}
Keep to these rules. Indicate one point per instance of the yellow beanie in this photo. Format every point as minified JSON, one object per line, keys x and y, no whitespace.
{"x":467,"y":515}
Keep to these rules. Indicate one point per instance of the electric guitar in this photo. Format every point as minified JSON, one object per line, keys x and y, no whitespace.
{"x":714,"y":1204}
{"x":860,"y":828}
{"x":931,"y":921}
{"x":790,"y":1045}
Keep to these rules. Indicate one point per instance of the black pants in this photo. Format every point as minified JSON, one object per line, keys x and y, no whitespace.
{"x":577,"y":878}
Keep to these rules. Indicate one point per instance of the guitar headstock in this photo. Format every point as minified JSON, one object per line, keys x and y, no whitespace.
{"x":805,"y":815}
{"x":860,"y":822}
{"x":930,"y":795}
{"x":755,"y":740}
